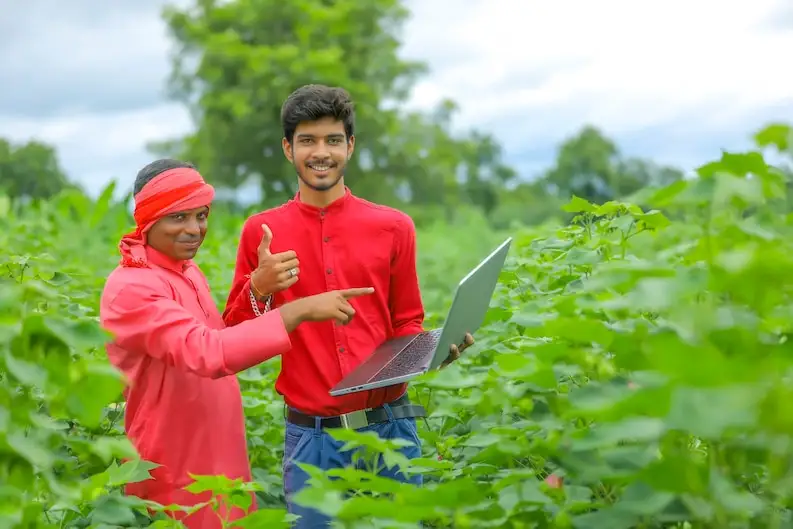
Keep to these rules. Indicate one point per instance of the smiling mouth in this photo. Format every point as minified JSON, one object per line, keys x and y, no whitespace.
{"x":321,"y":167}
{"x":190,"y":244}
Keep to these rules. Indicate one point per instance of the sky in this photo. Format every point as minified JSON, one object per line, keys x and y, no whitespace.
{"x":675,"y":80}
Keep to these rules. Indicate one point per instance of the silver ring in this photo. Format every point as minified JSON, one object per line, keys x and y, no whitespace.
{"x":292,"y":272}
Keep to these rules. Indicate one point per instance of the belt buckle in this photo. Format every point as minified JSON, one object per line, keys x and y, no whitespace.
{"x":354,"y":419}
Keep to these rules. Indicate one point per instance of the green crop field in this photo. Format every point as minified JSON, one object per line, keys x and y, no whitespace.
{"x":634,"y":370}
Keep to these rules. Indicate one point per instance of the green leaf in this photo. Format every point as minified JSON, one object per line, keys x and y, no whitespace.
{"x":779,"y":135}
{"x":270,"y":518}
{"x":578,"y":205}
{"x":632,"y":430}
{"x":94,"y":389}
{"x":216,"y":484}
{"x":25,"y":372}
{"x":31,"y":450}
{"x":642,"y":500}
{"x":731,"y":498}
{"x":710,"y":413}
{"x":114,"y":510}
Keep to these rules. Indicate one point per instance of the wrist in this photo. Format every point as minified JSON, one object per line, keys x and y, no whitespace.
{"x":302,"y":309}
{"x":258,"y":293}
{"x":294,"y":313}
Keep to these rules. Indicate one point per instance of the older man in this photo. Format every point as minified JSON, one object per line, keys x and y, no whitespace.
{"x":184,"y":407}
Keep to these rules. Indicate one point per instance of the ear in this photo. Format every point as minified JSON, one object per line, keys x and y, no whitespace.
{"x":287,"y":147}
{"x":350,"y":147}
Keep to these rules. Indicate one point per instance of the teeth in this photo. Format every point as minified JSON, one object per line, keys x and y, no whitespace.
{"x":320,"y":167}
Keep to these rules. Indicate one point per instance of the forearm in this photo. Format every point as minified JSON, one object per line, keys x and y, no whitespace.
{"x":164,"y":330}
{"x":215,"y":353}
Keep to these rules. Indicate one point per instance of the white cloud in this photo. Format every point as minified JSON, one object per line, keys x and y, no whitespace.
{"x":624,"y":64}
{"x":96,"y":148}
{"x":532,"y":72}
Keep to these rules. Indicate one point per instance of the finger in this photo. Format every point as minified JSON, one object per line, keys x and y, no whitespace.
{"x":448,"y":361}
{"x":342,"y":317}
{"x":288,"y":283}
{"x":285,"y":256}
{"x":283,"y":277}
{"x":286,"y":265}
{"x":267,"y":239}
{"x":347,"y":309}
{"x":355,"y":292}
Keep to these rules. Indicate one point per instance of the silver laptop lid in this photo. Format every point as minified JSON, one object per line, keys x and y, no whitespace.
{"x":471,"y":302}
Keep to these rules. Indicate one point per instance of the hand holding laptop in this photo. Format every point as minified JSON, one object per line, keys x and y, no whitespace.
{"x":455,"y":350}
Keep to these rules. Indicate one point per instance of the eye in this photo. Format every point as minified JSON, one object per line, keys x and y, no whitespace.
{"x":203,"y":216}
{"x":335,"y":141}
{"x":178,"y":216}
{"x":305,"y":141}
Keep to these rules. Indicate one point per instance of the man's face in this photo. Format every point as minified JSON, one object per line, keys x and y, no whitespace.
{"x":319,"y":151}
{"x":180,"y":234}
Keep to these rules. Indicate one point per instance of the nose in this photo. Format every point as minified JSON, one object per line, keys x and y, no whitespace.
{"x":192,"y":227}
{"x":322,"y":152}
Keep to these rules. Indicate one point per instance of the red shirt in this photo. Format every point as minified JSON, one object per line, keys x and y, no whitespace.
{"x":350,"y":243}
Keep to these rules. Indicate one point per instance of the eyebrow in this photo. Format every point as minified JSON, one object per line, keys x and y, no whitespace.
{"x":204,"y":209}
{"x":333,"y":135}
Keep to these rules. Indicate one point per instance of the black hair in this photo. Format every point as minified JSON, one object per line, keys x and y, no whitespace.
{"x":156,"y":167}
{"x":313,"y":102}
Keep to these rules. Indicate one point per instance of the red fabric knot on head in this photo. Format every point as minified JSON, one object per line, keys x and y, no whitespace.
{"x":173,"y":190}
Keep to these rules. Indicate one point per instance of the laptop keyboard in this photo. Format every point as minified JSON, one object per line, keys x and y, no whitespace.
{"x":412,"y":356}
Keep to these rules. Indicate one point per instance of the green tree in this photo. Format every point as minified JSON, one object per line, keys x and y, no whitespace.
{"x":237,"y":61}
{"x":30,"y":170}
{"x":590,"y":165}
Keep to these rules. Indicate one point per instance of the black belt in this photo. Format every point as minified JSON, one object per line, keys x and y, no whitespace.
{"x":401,"y":409}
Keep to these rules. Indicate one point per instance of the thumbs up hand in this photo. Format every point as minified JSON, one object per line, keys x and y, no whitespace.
{"x":274,"y":272}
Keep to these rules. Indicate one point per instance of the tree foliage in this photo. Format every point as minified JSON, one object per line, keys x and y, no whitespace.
{"x":30,"y":170}
{"x":588,"y":165}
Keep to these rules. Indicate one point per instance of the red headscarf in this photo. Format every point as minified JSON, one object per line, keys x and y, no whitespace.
{"x":168,"y":192}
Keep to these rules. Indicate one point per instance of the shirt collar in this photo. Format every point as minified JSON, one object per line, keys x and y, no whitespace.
{"x":336,"y":205}
{"x":163,"y":261}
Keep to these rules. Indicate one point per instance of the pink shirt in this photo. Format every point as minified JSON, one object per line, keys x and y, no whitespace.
{"x":184,"y":406}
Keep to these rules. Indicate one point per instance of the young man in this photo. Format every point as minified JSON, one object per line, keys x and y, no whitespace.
{"x":340,"y":241}
{"x":183,"y":403}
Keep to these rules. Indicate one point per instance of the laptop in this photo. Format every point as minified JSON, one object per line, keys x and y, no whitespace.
{"x":400,"y":359}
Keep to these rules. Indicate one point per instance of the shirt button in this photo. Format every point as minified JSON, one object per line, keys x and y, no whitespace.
{"x":322,"y":213}
{"x":341,"y":349}
{"x":326,"y":239}
{"x":329,"y":271}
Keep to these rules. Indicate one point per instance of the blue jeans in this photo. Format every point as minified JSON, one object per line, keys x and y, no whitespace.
{"x":316,"y":447}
